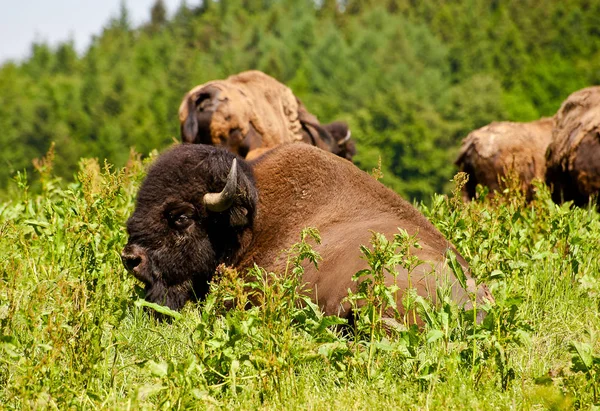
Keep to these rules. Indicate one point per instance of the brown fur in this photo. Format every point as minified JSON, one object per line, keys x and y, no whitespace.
{"x":488,"y":154}
{"x":345,"y":204}
{"x":281,"y":192}
{"x":573,"y":168}
{"x":249,"y":113}
{"x":250,"y":98}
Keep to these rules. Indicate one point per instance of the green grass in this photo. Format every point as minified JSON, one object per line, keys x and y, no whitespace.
{"x":74,"y":333}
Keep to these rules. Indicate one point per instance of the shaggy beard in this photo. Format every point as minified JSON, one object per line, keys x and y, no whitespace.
{"x":173,"y":297}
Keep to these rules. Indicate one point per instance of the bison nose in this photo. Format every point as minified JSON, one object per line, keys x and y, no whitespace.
{"x":132,"y":257}
{"x":130,"y":261}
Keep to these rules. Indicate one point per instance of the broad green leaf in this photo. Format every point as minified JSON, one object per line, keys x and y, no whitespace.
{"x":434,"y":335}
{"x":457,"y":268}
{"x":158,"y":369}
{"x":582,"y":359}
{"x":158,"y":308}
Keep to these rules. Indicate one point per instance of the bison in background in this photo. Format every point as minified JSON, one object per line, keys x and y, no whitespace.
{"x":573,"y":156}
{"x":490,"y":153}
{"x":200,"y":207}
{"x":340,"y":132}
{"x":250,"y":113}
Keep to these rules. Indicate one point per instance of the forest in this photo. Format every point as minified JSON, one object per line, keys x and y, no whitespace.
{"x":412,"y":78}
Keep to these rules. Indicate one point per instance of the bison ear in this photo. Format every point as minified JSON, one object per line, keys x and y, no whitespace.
{"x":321,"y":137}
{"x":239,"y":216}
{"x":189,"y":128}
{"x":318,"y":135}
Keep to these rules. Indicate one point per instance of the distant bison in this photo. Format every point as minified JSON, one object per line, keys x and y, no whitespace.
{"x":200,"y":207}
{"x":250,"y":113}
{"x":488,"y":154}
{"x":341,"y":134}
{"x":573,"y":156}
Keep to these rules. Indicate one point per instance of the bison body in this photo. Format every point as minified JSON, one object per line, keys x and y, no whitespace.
{"x":573,"y":165}
{"x":177,"y":236}
{"x":490,"y":153}
{"x":250,"y":113}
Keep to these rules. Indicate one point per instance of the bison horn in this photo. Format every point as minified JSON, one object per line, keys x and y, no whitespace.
{"x":219,"y":202}
{"x":345,"y":139}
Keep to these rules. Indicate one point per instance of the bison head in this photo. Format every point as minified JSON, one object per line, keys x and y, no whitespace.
{"x":340,"y":132}
{"x":198,"y":118}
{"x":192,"y":212}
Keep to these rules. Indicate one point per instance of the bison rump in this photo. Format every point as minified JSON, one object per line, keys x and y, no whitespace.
{"x":573,"y":169}
{"x":490,"y":153}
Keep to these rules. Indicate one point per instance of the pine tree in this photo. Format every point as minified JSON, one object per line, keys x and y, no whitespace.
{"x":158,"y":15}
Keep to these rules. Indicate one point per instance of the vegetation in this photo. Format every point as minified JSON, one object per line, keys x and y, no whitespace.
{"x":75,"y":333}
{"x":411,"y":77}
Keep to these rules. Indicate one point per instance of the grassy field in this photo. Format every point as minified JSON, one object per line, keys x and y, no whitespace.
{"x":75,"y":333}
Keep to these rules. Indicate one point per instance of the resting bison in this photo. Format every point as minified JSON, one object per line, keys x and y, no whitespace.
{"x":573,"y":166}
{"x":250,"y":113}
{"x":489,"y":153}
{"x":199,"y":207}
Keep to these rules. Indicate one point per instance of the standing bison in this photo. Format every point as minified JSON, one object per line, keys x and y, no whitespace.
{"x":250,"y":113}
{"x":199,"y":207}
{"x":490,"y":153}
{"x":573,"y":156}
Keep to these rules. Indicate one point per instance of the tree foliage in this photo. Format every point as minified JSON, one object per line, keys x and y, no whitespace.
{"x":411,"y":77}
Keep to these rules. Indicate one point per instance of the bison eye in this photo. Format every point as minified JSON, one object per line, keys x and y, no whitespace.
{"x":180,"y":219}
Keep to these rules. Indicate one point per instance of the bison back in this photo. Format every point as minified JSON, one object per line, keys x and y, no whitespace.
{"x":302,"y":187}
{"x":492,"y":152}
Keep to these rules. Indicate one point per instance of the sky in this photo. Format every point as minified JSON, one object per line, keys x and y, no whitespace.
{"x":53,"y":21}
